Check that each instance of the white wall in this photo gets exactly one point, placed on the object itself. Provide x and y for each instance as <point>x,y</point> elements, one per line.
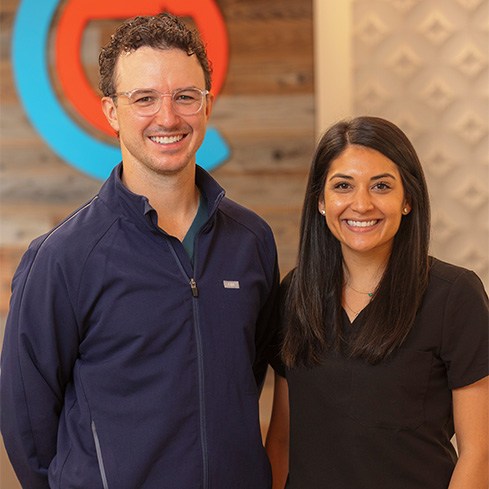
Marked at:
<point>424,65</point>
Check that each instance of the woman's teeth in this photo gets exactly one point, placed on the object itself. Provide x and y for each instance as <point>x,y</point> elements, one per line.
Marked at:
<point>361,224</point>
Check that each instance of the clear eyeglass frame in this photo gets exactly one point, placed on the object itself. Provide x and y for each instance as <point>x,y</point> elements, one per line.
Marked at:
<point>147,101</point>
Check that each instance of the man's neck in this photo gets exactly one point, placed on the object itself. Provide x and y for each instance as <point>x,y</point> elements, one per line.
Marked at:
<point>174,197</point>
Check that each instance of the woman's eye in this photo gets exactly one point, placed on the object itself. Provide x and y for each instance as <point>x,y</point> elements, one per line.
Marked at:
<point>342,186</point>
<point>382,186</point>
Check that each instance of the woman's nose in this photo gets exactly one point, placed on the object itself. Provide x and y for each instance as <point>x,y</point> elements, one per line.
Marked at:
<point>362,201</point>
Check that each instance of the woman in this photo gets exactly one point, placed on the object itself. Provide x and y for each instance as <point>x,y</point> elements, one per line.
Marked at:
<point>385,349</point>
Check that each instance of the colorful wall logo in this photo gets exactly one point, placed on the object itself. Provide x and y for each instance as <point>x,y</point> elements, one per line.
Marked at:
<point>30,51</point>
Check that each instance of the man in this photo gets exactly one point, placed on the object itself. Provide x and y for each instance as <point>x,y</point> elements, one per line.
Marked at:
<point>136,344</point>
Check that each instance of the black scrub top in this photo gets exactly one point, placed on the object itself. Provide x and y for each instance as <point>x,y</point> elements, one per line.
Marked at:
<point>359,426</point>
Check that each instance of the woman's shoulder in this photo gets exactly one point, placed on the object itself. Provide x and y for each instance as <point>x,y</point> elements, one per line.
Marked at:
<point>285,282</point>
<point>457,301</point>
<point>442,271</point>
<point>455,281</point>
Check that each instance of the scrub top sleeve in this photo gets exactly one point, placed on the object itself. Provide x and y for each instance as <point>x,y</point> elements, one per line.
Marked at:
<point>465,347</point>
<point>276,359</point>
<point>278,367</point>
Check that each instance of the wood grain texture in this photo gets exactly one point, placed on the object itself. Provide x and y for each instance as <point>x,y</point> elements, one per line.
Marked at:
<point>265,112</point>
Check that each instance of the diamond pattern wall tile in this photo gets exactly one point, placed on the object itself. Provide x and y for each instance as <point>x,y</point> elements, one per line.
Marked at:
<point>471,127</point>
<point>438,95</point>
<point>472,193</point>
<point>474,258</point>
<point>404,61</point>
<point>371,30</point>
<point>410,124</point>
<point>443,226</point>
<point>425,66</point>
<point>404,5</point>
<point>438,162</point>
<point>470,60</point>
<point>436,28</point>
<point>372,96</point>
<point>470,4</point>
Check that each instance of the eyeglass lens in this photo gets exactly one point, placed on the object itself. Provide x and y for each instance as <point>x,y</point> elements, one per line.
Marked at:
<point>187,101</point>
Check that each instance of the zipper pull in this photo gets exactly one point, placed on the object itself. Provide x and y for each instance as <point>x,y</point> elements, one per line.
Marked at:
<point>193,286</point>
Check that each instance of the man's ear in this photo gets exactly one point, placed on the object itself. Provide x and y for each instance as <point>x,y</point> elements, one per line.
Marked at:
<point>110,111</point>
<point>208,105</point>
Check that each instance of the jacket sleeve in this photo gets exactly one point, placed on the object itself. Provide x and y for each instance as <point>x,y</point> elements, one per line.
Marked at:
<point>267,324</point>
<point>39,350</point>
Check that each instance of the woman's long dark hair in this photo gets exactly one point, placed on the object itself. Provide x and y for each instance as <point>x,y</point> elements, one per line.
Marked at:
<point>312,310</point>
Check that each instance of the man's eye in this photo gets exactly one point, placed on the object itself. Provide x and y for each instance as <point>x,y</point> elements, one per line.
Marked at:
<point>143,99</point>
<point>185,97</point>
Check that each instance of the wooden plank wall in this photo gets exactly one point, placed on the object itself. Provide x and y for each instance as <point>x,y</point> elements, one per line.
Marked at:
<point>265,112</point>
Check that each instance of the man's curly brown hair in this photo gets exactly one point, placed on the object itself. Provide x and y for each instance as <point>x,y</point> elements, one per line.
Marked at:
<point>163,31</point>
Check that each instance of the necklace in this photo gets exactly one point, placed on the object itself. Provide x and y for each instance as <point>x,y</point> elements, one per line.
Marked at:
<point>356,313</point>
<point>370,294</point>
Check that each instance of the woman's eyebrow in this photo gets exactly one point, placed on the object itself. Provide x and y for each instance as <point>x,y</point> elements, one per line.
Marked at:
<point>341,175</point>
<point>349,177</point>
<point>383,175</point>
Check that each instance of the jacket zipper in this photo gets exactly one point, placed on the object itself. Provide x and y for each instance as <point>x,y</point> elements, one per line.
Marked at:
<point>193,286</point>
<point>200,364</point>
<point>99,457</point>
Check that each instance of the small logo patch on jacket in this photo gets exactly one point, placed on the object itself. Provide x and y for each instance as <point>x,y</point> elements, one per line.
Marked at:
<point>231,284</point>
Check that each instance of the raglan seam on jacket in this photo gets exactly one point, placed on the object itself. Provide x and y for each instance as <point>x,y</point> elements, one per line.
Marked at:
<point>83,267</point>
<point>266,239</point>
<point>28,271</point>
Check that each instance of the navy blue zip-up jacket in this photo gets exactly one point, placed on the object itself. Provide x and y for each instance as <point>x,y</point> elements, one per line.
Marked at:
<point>124,366</point>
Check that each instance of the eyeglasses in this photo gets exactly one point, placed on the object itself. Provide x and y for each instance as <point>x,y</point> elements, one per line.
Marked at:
<point>147,102</point>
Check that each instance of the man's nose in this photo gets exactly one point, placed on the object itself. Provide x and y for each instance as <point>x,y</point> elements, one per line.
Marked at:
<point>166,114</point>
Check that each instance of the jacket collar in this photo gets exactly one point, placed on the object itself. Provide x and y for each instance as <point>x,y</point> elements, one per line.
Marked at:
<point>117,195</point>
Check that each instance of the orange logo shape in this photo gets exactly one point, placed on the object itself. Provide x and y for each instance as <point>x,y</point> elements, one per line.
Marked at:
<point>75,16</point>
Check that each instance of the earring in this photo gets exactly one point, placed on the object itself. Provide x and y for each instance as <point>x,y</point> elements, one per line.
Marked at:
<point>405,210</point>
<point>323,212</point>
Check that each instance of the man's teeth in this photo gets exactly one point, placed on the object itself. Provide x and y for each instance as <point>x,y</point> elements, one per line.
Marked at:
<point>166,139</point>
<point>361,224</point>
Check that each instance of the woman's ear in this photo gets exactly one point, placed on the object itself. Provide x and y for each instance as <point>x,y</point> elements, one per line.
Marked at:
<point>321,207</point>
<point>110,111</point>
